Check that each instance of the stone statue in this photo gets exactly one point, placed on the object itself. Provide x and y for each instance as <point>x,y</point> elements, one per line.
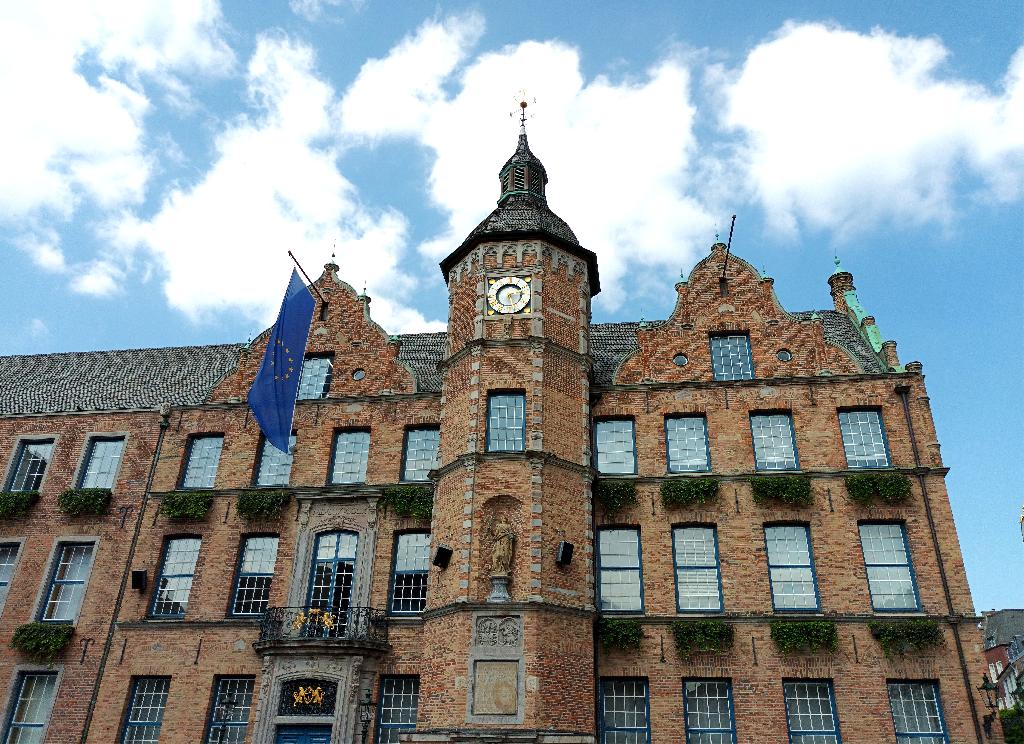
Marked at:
<point>504,543</point>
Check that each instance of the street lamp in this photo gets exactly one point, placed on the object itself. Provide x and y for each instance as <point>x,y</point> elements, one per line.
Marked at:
<point>987,687</point>
<point>366,706</point>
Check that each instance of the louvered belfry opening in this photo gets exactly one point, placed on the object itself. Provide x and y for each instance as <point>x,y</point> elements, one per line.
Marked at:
<point>523,173</point>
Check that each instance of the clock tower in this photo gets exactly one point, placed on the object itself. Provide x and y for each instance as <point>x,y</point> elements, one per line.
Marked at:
<point>508,652</point>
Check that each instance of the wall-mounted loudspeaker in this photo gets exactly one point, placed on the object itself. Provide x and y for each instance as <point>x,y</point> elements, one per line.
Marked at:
<point>563,555</point>
<point>442,556</point>
<point>140,579</point>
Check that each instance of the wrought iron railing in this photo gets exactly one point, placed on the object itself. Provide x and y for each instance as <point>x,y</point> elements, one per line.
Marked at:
<point>353,624</point>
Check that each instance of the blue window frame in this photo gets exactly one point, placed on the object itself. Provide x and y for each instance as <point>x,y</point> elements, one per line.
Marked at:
<point>8,557</point>
<point>686,444</point>
<point>275,466</point>
<point>331,575</point>
<point>774,441</point>
<point>917,713</point>
<point>890,572</point>
<point>620,570</point>
<point>708,711</point>
<point>101,462</point>
<point>145,714</point>
<point>625,711</point>
<point>66,591</point>
<point>315,378</point>
<point>420,448</point>
<point>791,568</point>
<point>730,357</point>
<point>698,572</point>
<point>864,439</point>
<point>506,422</point>
<point>30,464</point>
<point>409,573</point>
<point>30,708</point>
<point>255,574</point>
<point>229,710</point>
<point>202,460</point>
<point>174,584</point>
<point>811,712</point>
<point>615,446</point>
<point>399,703</point>
<point>349,457</point>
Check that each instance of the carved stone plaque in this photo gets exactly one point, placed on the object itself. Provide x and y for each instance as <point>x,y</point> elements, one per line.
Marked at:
<point>496,688</point>
<point>498,631</point>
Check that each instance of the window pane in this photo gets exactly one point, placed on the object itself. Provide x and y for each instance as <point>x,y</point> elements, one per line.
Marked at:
<point>275,467</point>
<point>67,585</point>
<point>175,582</point>
<point>256,571</point>
<point>619,561</point>
<point>730,357</point>
<point>774,447</point>
<point>146,710</point>
<point>789,567</point>
<point>708,711</point>
<point>332,573</point>
<point>229,719</point>
<point>399,700</point>
<point>616,448</point>
<point>101,463</point>
<point>315,380</point>
<point>810,714</point>
<point>409,588</point>
<point>915,710</point>
<point>351,450</point>
<point>31,709</point>
<point>8,555</point>
<point>203,457</point>
<point>863,439</point>
<point>420,453</point>
<point>890,578</point>
<point>624,711</point>
<point>506,419</point>
<point>30,465</point>
<point>686,441</point>
<point>696,559</point>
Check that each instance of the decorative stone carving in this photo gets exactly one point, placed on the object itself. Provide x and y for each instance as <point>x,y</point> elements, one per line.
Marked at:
<point>498,631</point>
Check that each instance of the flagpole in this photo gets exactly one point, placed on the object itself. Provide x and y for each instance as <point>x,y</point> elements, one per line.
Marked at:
<point>315,289</point>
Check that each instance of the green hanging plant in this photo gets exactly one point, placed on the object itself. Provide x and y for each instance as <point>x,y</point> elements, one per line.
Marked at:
<point>42,641</point>
<point>686,492</point>
<point>791,490</point>
<point>187,504</point>
<point>409,501</point>
<point>77,502</point>
<point>261,503</point>
<point>614,495</point>
<point>897,637</point>
<point>691,636</point>
<point>889,488</point>
<point>805,636</point>
<point>16,503</point>
<point>1012,721</point>
<point>620,633</point>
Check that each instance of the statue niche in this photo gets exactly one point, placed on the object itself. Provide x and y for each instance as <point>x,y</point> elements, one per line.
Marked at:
<point>501,532</point>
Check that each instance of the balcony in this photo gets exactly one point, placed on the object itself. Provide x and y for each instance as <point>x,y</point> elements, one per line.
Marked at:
<point>323,630</point>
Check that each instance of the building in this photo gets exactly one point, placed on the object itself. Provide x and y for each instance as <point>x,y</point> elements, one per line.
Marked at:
<point>531,528</point>
<point>1003,631</point>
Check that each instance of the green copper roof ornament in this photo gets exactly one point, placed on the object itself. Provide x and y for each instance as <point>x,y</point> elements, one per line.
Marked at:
<point>839,267</point>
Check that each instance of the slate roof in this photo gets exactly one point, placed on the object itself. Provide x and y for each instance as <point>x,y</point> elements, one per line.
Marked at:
<point>523,213</point>
<point>422,352</point>
<point>840,331</point>
<point>1001,626</point>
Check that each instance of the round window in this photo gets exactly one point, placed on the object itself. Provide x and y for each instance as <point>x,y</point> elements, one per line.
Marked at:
<point>358,374</point>
<point>680,360</point>
<point>784,355</point>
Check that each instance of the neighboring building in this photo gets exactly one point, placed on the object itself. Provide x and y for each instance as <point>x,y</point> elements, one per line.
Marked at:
<point>479,623</point>
<point>1003,632</point>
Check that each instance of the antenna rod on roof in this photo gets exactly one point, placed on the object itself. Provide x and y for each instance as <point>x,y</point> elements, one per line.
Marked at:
<point>729,246</point>
<point>312,286</point>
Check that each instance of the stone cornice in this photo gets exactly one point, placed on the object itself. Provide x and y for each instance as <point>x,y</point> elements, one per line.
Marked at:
<point>585,360</point>
<point>457,607</point>
<point>641,387</point>
<point>474,459</point>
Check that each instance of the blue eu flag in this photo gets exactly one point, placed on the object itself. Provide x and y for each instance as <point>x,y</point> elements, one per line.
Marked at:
<point>273,392</point>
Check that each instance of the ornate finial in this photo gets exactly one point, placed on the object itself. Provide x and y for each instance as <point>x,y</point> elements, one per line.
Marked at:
<point>682,276</point>
<point>839,267</point>
<point>716,234</point>
<point>643,323</point>
<point>523,101</point>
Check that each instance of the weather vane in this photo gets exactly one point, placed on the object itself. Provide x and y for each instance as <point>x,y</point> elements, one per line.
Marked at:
<point>523,100</point>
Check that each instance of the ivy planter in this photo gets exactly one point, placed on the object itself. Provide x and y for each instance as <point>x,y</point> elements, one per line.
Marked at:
<point>82,502</point>
<point>187,505</point>
<point>262,503</point>
<point>1012,721</point>
<point>899,637</point>
<point>684,492</point>
<point>42,642</point>
<point>709,636</point>
<point>15,504</point>
<point>614,495</point>
<point>619,633</point>
<point>805,636</point>
<point>409,501</point>
<point>788,490</point>
<point>867,488</point>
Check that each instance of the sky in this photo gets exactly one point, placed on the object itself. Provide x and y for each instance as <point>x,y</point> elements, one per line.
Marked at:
<point>159,159</point>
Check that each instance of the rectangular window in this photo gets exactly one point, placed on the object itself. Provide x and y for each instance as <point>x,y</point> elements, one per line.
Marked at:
<point>709,712</point>
<point>420,453</point>
<point>145,713</point>
<point>315,380</point>
<point>30,709</point>
<point>229,714</point>
<point>255,572</point>
<point>887,560</point>
<point>275,468</point>
<point>864,439</point>
<point>506,422</point>
<point>811,713</point>
<point>615,445</point>
<point>698,582</point>
<point>409,585</point>
<point>620,571</point>
<point>399,701</point>
<point>67,583</point>
<point>30,465</point>
<point>790,568</point>
<point>203,458</point>
<point>101,462</point>
<point>175,582</point>
<point>625,718</point>
<point>8,556</point>
<point>774,442</point>
<point>917,713</point>
<point>730,357</point>
<point>351,451</point>
<point>686,442</point>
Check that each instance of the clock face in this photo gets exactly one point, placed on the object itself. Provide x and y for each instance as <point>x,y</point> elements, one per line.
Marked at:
<point>508,294</point>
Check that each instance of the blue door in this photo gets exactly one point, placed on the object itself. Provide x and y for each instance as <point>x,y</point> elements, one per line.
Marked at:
<point>303,735</point>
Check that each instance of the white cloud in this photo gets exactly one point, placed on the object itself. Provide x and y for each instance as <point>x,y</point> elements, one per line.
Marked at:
<point>37,328</point>
<point>44,250</point>
<point>843,130</point>
<point>314,10</point>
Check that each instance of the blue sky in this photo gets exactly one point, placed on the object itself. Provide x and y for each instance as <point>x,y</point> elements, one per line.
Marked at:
<point>159,159</point>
